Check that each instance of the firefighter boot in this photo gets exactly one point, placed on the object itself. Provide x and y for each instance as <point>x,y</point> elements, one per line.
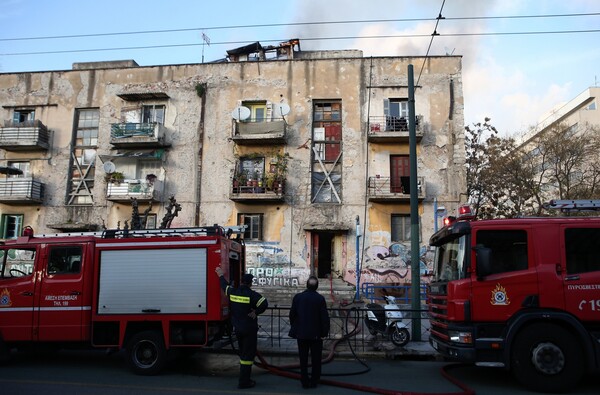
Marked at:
<point>245,381</point>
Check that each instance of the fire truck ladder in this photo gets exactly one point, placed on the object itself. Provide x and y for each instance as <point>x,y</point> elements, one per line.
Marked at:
<point>214,230</point>
<point>573,205</point>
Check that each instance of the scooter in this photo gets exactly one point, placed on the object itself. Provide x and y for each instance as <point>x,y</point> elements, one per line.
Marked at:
<point>387,320</point>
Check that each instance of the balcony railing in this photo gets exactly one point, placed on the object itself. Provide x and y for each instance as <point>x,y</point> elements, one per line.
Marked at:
<point>21,191</point>
<point>132,135</point>
<point>127,189</point>
<point>393,189</point>
<point>254,190</point>
<point>24,136</point>
<point>252,132</point>
<point>392,129</point>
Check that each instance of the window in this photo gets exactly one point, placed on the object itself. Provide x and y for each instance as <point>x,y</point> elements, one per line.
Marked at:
<point>64,260</point>
<point>23,166</point>
<point>83,157</point>
<point>145,167</point>
<point>153,114</point>
<point>327,152</point>
<point>254,223</point>
<point>15,262</point>
<point>12,225</point>
<point>396,114</point>
<point>401,228</point>
<point>258,111</point>
<point>581,249</point>
<point>508,249</point>
<point>252,168</point>
<point>23,116</point>
<point>150,221</point>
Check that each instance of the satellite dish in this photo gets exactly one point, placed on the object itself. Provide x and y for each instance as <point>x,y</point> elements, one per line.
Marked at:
<point>282,109</point>
<point>240,113</point>
<point>109,167</point>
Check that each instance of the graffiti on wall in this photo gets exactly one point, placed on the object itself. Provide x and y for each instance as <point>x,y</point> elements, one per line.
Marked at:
<point>392,264</point>
<point>270,266</point>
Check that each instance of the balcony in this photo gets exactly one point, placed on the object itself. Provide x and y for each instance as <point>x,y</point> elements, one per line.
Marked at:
<point>24,136</point>
<point>381,189</point>
<point>264,133</point>
<point>256,192</point>
<point>385,129</point>
<point>127,189</point>
<point>138,135</point>
<point>18,191</point>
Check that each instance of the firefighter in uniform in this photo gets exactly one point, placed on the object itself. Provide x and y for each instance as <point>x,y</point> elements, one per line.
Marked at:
<point>245,305</point>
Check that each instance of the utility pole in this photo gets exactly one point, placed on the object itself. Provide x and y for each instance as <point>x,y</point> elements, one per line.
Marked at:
<point>415,259</point>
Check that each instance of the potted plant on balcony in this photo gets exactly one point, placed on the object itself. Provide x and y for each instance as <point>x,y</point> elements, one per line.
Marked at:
<point>150,178</point>
<point>115,177</point>
<point>280,167</point>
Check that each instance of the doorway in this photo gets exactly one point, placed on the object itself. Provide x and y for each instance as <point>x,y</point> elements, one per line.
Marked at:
<point>322,254</point>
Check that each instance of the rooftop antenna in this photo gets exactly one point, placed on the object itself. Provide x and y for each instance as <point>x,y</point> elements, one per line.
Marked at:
<point>205,40</point>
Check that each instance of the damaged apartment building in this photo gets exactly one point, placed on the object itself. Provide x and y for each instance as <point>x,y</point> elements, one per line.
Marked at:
<point>302,147</point>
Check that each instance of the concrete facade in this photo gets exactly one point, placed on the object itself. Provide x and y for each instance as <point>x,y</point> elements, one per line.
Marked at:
<point>201,148</point>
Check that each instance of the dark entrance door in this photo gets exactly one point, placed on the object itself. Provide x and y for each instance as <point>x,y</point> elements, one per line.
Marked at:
<point>322,253</point>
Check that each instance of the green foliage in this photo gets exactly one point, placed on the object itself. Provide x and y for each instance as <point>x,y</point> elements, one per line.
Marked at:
<point>505,179</point>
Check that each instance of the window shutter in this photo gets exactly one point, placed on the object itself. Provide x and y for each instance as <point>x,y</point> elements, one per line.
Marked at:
<point>386,107</point>
<point>269,114</point>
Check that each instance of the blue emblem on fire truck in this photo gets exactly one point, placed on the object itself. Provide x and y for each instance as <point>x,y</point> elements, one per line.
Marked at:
<point>499,296</point>
<point>5,298</point>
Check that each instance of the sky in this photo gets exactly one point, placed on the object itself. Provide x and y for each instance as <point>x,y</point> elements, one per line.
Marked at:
<point>514,79</point>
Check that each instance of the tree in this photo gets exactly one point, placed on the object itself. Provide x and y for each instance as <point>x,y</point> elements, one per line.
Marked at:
<point>505,179</point>
<point>477,139</point>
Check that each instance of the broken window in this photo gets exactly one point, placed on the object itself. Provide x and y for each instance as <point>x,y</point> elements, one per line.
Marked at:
<point>83,157</point>
<point>327,152</point>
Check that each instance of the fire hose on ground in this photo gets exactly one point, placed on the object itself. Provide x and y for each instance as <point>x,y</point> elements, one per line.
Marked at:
<point>289,370</point>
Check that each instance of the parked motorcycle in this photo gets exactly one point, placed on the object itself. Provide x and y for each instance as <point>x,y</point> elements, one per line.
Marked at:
<point>387,320</point>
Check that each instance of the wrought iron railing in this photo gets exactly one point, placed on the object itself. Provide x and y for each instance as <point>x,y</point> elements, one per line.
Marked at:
<point>347,327</point>
<point>387,186</point>
<point>378,124</point>
<point>129,129</point>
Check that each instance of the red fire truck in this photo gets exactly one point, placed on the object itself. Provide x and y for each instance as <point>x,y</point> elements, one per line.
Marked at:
<point>147,291</point>
<point>522,294</point>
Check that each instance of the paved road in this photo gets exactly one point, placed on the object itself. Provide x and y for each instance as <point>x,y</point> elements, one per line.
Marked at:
<point>93,372</point>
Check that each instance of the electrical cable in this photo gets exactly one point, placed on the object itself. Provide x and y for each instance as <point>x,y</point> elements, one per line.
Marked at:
<point>298,24</point>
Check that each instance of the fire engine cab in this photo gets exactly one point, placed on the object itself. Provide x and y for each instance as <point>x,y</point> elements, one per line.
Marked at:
<point>147,291</point>
<point>522,294</point>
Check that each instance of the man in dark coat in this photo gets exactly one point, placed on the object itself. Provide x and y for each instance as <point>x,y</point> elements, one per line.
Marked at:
<point>309,319</point>
<point>245,305</point>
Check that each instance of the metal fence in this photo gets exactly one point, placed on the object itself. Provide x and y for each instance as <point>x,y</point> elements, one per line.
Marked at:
<point>347,328</point>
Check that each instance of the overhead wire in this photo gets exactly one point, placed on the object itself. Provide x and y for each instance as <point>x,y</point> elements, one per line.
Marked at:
<point>303,39</point>
<point>330,38</point>
<point>298,24</point>
<point>435,33</point>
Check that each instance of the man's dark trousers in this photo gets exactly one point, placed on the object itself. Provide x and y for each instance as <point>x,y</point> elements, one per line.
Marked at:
<point>315,346</point>
<point>247,351</point>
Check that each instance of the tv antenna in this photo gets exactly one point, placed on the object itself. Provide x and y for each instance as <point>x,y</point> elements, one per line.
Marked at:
<point>205,40</point>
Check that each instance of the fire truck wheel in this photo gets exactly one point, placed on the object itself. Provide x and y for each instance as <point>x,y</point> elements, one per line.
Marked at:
<point>146,353</point>
<point>400,336</point>
<point>547,358</point>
